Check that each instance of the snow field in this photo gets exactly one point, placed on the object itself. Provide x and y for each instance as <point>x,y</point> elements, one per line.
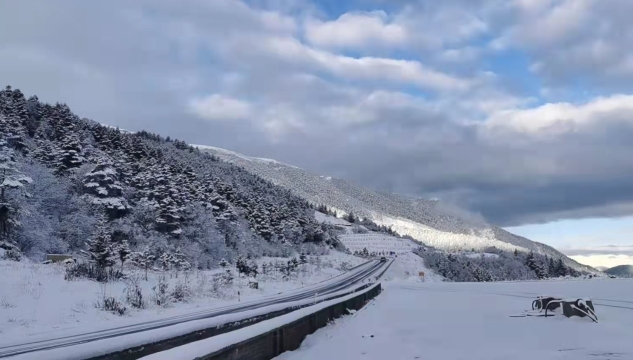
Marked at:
<point>35,299</point>
<point>376,242</point>
<point>471,321</point>
<point>406,267</point>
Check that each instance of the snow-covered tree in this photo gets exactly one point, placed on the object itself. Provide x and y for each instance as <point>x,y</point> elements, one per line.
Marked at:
<point>122,251</point>
<point>252,268</point>
<point>144,259</point>
<point>11,179</point>
<point>223,263</point>
<point>100,248</point>
<point>102,187</point>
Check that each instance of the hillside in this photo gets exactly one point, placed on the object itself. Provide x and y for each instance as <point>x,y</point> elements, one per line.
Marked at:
<point>67,180</point>
<point>429,221</point>
<point>624,271</point>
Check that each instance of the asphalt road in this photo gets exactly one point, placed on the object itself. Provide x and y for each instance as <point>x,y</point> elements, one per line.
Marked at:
<point>344,281</point>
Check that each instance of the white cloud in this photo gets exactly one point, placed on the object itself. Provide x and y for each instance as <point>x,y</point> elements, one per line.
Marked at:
<point>604,260</point>
<point>356,30</point>
<point>556,118</point>
<point>220,107</point>
<point>364,68</point>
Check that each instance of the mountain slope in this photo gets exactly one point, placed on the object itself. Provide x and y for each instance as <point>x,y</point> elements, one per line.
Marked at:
<point>428,221</point>
<point>625,271</point>
<point>63,175</point>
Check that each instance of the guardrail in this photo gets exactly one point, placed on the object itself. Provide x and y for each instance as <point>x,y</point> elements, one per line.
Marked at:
<point>266,340</point>
<point>163,345</point>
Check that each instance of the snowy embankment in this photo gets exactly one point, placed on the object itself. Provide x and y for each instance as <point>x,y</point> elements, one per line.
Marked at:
<point>472,321</point>
<point>205,347</point>
<point>110,345</point>
<point>35,299</point>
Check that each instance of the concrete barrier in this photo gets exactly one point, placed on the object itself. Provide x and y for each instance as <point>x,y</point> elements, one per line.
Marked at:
<point>289,337</point>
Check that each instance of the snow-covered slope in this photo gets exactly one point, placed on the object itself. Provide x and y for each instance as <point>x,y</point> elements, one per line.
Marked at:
<point>429,221</point>
<point>625,271</point>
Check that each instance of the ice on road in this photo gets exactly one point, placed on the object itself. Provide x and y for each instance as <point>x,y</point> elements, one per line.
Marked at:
<point>472,321</point>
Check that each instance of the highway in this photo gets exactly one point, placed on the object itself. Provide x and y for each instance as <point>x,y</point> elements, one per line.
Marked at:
<point>345,281</point>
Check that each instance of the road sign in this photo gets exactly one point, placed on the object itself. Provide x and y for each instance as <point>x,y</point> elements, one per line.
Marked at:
<point>421,275</point>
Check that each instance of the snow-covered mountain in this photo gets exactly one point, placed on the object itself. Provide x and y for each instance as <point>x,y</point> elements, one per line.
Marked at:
<point>625,271</point>
<point>429,221</point>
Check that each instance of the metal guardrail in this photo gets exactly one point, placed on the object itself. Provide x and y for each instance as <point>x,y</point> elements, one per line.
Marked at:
<point>162,345</point>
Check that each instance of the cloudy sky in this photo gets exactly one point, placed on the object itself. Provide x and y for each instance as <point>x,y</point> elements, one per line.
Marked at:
<point>520,110</point>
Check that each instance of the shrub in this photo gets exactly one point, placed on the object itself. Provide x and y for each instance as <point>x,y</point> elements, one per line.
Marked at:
<point>161,296</point>
<point>112,305</point>
<point>86,270</point>
<point>134,293</point>
<point>12,254</point>
<point>181,292</point>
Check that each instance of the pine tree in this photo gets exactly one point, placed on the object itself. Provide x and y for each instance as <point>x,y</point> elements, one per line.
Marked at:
<point>123,251</point>
<point>144,259</point>
<point>551,267</point>
<point>11,179</point>
<point>241,265</point>
<point>303,259</point>
<point>69,156</point>
<point>561,269</point>
<point>100,248</point>
<point>102,187</point>
<point>222,263</point>
<point>252,269</point>
<point>166,261</point>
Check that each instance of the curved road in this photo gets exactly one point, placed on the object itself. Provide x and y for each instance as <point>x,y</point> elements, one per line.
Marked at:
<point>333,285</point>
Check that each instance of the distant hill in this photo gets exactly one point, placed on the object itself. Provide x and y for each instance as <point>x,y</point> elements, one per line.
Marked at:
<point>432,222</point>
<point>625,271</point>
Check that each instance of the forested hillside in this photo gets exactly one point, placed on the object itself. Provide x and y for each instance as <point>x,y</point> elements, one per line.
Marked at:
<point>62,175</point>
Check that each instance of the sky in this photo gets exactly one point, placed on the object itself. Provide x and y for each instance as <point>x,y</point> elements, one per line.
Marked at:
<point>518,110</point>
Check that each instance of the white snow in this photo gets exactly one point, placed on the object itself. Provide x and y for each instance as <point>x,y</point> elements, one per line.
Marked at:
<point>377,242</point>
<point>35,298</point>
<point>437,320</point>
<point>205,347</point>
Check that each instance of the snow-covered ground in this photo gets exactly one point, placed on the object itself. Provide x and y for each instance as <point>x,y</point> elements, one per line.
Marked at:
<point>35,298</point>
<point>377,242</point>
<point>470,321</point>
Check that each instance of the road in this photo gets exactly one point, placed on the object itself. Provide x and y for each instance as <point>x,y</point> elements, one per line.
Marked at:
<point>341,282</point>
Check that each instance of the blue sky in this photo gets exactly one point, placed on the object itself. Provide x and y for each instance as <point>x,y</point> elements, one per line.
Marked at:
<point>520,111</point>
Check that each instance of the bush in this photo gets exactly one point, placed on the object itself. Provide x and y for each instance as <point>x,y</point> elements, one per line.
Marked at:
<point>181,292</point>
<point>112,305</point>
<point>161,296</point>
<point>133,292</point>
<point>91,271</point>
<point>14,255</point>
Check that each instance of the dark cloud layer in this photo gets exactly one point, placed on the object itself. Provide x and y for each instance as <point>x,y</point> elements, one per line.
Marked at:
<point>141,65</point>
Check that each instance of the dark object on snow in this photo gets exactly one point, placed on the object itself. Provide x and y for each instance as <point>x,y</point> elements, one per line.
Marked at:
<point>383,259</point>
<point>58,257</point>
<point>253,284</point>
<point>546,303</point>
<point>579,307</point>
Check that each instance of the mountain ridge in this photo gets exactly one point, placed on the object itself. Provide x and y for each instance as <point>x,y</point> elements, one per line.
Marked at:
<point>430,222</point>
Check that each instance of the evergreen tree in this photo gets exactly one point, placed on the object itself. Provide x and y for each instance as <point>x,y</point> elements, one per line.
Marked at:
<point>303,259</point>
<point>11,179</point>
<point>222,263</point>
<point>144,259</point>
<point>253,269</point>
<point>102,187</point>
<point>241,265</point>
<point>561,269</point>
<point>551,267</point>
<point>100,248</point>
<point>123,251</point>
